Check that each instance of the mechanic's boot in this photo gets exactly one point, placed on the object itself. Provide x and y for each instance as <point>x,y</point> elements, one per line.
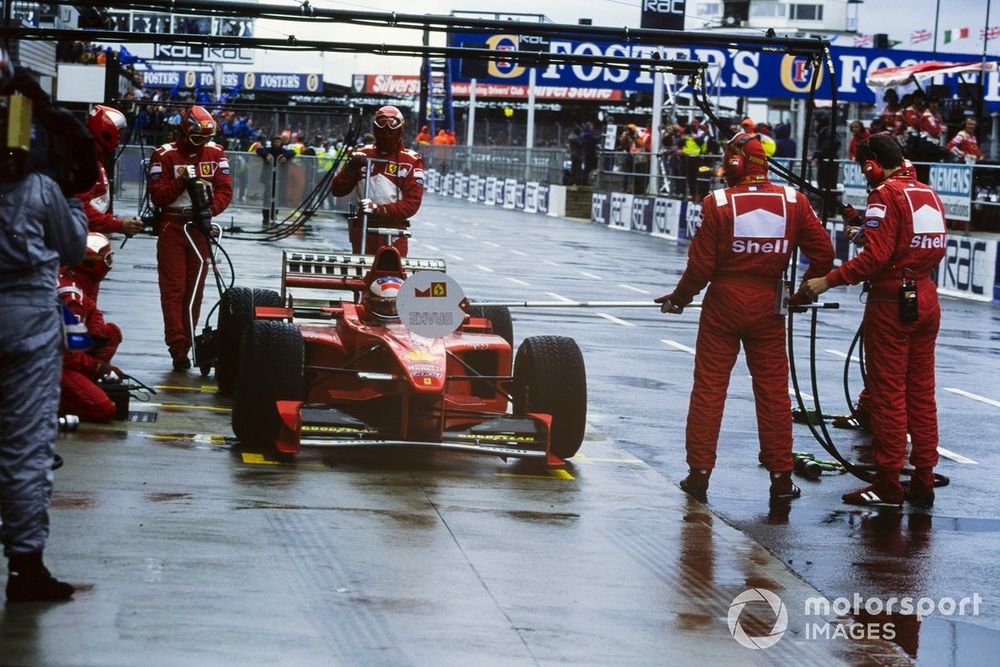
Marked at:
<point>886,491</point>
<point>265,214</point>
<point>783,488</point>
<point>921,489</point>
<point>696,484</point>
<point>28,580</point>
<point>180,359</point>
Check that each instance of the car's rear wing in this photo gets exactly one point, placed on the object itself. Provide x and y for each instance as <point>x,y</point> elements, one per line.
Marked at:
<point>332,271</point>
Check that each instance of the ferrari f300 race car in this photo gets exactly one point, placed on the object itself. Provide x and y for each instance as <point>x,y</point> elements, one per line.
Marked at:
<point>335,373</point>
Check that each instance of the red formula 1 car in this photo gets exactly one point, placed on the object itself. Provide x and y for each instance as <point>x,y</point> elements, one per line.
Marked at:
<point>333,374</point>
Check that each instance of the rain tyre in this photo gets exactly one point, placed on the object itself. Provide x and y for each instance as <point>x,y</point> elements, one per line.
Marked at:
<point>550,378</point>
<point>236,312</point>
<point>272,370</point>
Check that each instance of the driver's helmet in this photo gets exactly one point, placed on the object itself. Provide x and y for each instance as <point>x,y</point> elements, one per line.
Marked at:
<point>382,295</point>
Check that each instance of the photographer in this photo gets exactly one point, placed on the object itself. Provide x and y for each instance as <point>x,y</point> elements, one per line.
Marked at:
<point>40,229</point>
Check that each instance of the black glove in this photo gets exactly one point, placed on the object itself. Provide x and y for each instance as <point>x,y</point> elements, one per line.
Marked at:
<point>850,216</point>
<point>672,303</point>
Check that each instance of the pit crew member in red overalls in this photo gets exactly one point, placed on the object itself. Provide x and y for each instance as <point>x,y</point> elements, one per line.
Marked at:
<point>964,145</point>
<point>192,156</point>
<point>905,240</point>
<point>396,187</point>
<point>78,287</point>
<point>108,126</point>
<point>749,231</point>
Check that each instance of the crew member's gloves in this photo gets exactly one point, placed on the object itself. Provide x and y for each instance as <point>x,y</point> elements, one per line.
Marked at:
<point>109,374</point>
<point>671,303</point>
<point>131,227</point>
<point>368,206</point>
<point>850,216</point>
<point>856,235</point>
<point>800,298</point>
<point>188,173</point>
<point>356,163</point>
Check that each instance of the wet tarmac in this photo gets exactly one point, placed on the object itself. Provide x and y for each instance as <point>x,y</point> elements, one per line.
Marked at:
<point>191,550</point>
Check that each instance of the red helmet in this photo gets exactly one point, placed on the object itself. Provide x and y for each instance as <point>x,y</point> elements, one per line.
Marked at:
<point>744,156</point>
<point>381,297</point>
<point>388,127</point>
<point>108,125</point>
<point>197,126</point>
<point>99,257</point>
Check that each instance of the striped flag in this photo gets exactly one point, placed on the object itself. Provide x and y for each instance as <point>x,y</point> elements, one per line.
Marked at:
<point>921,35</point>
<point>862,40</point>
<point>992,33</point>
<point>955,33</point>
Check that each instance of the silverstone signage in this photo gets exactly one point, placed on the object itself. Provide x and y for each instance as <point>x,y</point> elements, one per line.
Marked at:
<point>407,85</point>
<point>953,183</point>
<point>740,73</point>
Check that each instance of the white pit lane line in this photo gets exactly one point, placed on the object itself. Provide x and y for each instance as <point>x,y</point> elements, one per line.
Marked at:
<point>677,346</point>
<point>518,252</point>
<point>975,397</point>
<point>457,258</point>
<point>484,268</point>
<point>948,454</point>
<point>634,289</point>
<point>842,355</point>
<point>616,320</point>
<point>517,281</point>
<point>469,236</point>
<point>491,244</point>
<point>551,263</point>
<point>559,297</point>
<point>432,248</point>
<point>588,274</point>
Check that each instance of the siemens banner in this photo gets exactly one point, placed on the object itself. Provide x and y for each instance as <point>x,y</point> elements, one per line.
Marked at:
<point>737,72</point>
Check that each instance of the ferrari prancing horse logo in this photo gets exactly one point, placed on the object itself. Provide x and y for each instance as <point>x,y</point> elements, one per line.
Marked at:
<point>393,167</point>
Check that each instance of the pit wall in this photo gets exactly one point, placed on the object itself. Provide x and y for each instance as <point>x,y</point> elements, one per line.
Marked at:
<point>970,269</point>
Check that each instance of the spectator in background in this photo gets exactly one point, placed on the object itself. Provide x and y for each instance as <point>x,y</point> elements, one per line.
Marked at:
<point>764,130</point>
<point>589,140</point>
<point>693,144</point>
<point>626,146</point>
<point>424,137</point>
<point>440,139</point>
<point>827,147</point>
<point>450,135</point>
<point>273,175</point>
<point>784,145</point>
<point>931,123</point>
<point>877,126</point>
<point>891,112</point>
<point>912,113</point>
<point>643,145</point>
<point>575,144</point>
<point>964,145</point>
<point>858,134</point>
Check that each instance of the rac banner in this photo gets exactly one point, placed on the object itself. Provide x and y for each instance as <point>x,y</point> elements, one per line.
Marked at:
<point>737,72</point>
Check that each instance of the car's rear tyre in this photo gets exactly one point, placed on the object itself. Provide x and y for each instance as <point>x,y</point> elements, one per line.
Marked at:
<point>550,377</point>
<point>500,320</point>
<point>236,311</point>
<point>272,370</point>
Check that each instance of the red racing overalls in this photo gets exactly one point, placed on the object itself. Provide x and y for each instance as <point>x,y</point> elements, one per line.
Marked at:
<point>396,188</point>
<point>97,204</point>
<point>80,394</point>
<point>177,262</point>
<point>746,238</point>
<point>904,233</point>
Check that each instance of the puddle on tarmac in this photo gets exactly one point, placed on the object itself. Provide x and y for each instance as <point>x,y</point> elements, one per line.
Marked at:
<point>167,497</point>
<point>74,500</point>
<point>935,639</point>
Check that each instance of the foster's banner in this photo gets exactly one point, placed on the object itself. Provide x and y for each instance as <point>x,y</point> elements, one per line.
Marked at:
<point>739,73</point>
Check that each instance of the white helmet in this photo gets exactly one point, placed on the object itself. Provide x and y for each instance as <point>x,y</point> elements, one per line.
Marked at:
<point>382,295</point>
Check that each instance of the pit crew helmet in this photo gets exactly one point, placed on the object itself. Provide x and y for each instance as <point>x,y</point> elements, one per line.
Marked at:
<point>99,257</point>
<point>197,126</point>
<point>381,297</point>
<point>744,156</point>
<point>387,125</point>
<point>107,125</point>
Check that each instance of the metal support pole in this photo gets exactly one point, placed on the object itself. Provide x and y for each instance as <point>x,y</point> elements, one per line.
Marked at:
<point>530,142</point>
<point>217,80</point>
<point>471,122</point>
<point>654,128</point>
<point>995,137</point>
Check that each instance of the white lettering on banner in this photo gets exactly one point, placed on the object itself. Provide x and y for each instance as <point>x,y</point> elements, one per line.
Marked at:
<point>855,185</point>
<point>663,6</point>
<point>953,184</point>
<point>745,69</point>
<point>530,197</point>
<point>519,195</point>
<point>639,207</point>
<point>621,210</point>
<point>508,193</point>
<point>666,217</point>
<point>693,219</point>
<point>968,268</point>
<point>852,69</point>
<point>597,201</point>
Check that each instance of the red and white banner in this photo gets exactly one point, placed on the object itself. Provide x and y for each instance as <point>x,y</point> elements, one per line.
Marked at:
<point>401,84</point>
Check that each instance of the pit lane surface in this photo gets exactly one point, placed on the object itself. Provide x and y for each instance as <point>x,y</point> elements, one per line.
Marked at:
<point>639,365</point>
<point>190,550</point>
